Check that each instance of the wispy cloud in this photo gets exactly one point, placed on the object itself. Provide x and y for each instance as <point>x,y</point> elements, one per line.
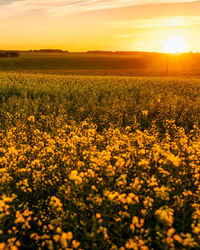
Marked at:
<point>165,22</point>
<point>65,7</point>
<point>91,5</point>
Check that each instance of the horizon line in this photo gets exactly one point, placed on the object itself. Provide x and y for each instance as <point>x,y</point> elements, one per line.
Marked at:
<point>98,51</point>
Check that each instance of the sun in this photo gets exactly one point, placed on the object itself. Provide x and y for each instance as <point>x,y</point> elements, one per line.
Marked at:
<point>175,45</point>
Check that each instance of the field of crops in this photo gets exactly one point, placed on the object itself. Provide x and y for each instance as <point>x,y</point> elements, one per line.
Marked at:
<point>103,64</point>
<point>91,162</point>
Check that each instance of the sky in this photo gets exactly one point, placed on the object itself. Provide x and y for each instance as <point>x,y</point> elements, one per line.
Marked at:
<point>81,25</point>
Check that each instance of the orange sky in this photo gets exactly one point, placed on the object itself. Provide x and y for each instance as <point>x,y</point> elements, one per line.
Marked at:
<point>80,25</point>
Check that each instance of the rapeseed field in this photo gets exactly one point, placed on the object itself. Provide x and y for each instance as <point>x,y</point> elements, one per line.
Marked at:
<point>99,162</point>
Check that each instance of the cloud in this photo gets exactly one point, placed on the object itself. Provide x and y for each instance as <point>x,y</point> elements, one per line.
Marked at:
<point>92,5</point>
<point>6,2</point>
<point>162,22</point>
<point>58,8</point>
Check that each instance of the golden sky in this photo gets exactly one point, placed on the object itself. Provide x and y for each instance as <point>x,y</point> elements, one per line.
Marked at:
<point>80,25</point>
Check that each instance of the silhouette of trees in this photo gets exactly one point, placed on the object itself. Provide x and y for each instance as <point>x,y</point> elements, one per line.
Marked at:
<point>9,53</point>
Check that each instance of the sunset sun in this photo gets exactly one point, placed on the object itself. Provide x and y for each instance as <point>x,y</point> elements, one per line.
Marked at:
<point>175,45</point>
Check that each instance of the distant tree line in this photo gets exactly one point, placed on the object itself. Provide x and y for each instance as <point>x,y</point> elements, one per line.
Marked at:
<point>50,51</point>
<point>125,53</point>
<point>114,52</point>
<point>143,53</point>
<point>9,53</point>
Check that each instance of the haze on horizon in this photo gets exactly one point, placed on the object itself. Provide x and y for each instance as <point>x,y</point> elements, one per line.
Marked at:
<point>80,25</point>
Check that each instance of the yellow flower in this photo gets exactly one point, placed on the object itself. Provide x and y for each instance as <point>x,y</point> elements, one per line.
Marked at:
<point>39,223</point>
<point>13,248</point>
<point>144,248</point>
<point>98,216</point>
<point>196,230</point>
<point>73,176</point>
<point>56,237</point>
<point>145,112</point>
<point>67,236</point>
<point>58,230</point>
<point>2,245</point>
<point>63,240</point>
<point>17,243</point>
<point>130,244</point>
<point>51,227</point>
<point>31,119</point>
<point>75,244</point>
<point>178,238</point>
<point>165,214</point>
<point>170,232</point>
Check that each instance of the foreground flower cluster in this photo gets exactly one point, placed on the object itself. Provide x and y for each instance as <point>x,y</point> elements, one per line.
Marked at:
<point>73,187</point>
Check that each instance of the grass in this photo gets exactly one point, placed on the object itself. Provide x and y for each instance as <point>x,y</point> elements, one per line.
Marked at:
<point>90,162</point>
<point>102,64</point>
<point>68,61</point>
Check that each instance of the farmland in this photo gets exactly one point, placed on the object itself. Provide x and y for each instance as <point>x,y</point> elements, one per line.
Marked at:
<point>119,64</point>
<point>99,162</point>
<point>68,63</point>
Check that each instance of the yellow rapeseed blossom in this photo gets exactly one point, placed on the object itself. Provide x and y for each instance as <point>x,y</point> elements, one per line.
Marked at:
<point>145,112</point>
<point>31,119</point>
<point>98,215</point>
<point>2,245</point>
<point>68,183</point>
<point>165,215</point>
<point>75,177</point>
<point>75,244</point>
<point>178,238</point>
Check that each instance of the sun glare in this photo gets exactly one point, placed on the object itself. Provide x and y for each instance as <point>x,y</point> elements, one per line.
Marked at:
<point>175,45</point>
